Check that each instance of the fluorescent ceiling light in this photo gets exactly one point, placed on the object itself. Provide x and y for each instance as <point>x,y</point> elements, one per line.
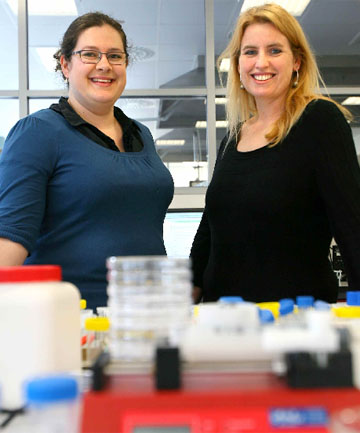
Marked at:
<point>170,142</point>
<point>220,101</point>
<point>225,65</point>
<point>203,124</point>
<point>295,7</point>
<point>351,100</point>
<point>51,7</point>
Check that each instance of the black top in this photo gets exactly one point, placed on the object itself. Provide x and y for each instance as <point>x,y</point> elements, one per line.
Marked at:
<point>271,213</point>
<point>131,137</point>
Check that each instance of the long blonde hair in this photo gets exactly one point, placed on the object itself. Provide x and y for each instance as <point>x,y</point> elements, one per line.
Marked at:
<point>241,105</point>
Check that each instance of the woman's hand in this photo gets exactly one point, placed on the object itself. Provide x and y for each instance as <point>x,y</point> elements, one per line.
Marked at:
<point>196,294</point>
<point>11,253</point>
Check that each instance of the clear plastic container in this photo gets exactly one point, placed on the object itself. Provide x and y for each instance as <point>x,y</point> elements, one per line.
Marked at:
<point>53,405</point>
<point>225,317</point>
<point>149,302</point>
<point>97,336</point>
<point>287,317</point>
<point>102,311</point>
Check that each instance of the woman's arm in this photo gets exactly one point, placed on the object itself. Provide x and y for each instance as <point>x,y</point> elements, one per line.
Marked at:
<point>11,253</point>
<point>26,164</point>
<point>200,250</point>
<point>199,255</point>
<point>338,177</point>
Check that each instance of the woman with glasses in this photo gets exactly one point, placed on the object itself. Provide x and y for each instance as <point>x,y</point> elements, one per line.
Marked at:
<point>287,178</point>
<point>80,181</point>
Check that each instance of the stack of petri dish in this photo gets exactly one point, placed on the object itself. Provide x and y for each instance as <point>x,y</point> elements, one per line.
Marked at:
<point>149,304</point>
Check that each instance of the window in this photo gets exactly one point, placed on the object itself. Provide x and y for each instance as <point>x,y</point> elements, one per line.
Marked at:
<point>167,43</point>
<point>9,45</point>
<point>173,48</point>
<point>180,227</point>
<point>9,109</point>
<point>180,144</point>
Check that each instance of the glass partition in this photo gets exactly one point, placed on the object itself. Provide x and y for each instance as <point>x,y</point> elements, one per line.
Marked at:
<point>9,114</point>
<point>180,228</point>
<point>9,71</point>
<point>44,35</point>
<point>40,103</point>
<point>167,43</point>
<point>179,138</point>
<point>331,29</point>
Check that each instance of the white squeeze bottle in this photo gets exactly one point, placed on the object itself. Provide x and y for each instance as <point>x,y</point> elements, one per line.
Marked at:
<point>39,328</point>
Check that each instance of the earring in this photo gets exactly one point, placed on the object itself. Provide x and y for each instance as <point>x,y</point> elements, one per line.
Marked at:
<point>296,82</point>
<point>241,84</point>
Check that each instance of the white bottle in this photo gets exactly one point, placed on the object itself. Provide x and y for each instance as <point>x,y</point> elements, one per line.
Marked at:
<point>39,328</point>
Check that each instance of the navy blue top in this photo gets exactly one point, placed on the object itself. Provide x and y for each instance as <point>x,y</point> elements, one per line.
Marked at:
<point>71,202</point>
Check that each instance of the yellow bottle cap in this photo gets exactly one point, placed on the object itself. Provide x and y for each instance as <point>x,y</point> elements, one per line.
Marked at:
<point>272,306</point>
<point>195,310</point>
<point>350,312</point>
<point>82,304</point>
<point>97,324</point>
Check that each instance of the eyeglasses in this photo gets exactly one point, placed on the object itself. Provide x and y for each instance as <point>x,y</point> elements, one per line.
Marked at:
<point>94,56</point>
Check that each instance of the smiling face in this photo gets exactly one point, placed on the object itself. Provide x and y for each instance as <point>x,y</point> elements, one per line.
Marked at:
<point>266,63</point>
<point>95,87</point>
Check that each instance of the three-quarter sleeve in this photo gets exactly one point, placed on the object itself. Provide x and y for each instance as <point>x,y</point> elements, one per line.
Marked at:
<point>338,178</point>
<point>26,164</point>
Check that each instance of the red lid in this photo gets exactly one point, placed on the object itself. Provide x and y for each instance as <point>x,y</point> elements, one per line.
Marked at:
<point>10,274</point>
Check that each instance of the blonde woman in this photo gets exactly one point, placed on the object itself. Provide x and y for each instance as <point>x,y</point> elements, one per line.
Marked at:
<point>287,178</point>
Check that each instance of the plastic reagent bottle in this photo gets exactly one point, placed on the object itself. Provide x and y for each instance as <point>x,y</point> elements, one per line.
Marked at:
<point>304,302</point>
<point>231,299</point>
<point>353,298</point>
<point>286,312</point>
<point>97,329</point>
<point>286,306</point>
<point>53,404</point>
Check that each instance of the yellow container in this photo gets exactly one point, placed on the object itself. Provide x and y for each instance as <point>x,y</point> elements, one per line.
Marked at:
<point>272,306</point>
<point>348,312</point>
<point>101,324</point>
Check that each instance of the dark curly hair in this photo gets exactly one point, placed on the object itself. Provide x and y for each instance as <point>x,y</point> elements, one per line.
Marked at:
<point>83,22</point>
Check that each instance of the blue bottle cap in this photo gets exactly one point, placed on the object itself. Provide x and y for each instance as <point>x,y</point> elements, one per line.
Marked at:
<point>353,298</point>
<point>286,306</point>
<point>266,316</point>
<point>321,305</point>
<point>51,389</point>
<point>286,300</point>
<point>231,299</point>
<point>304,301</point>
